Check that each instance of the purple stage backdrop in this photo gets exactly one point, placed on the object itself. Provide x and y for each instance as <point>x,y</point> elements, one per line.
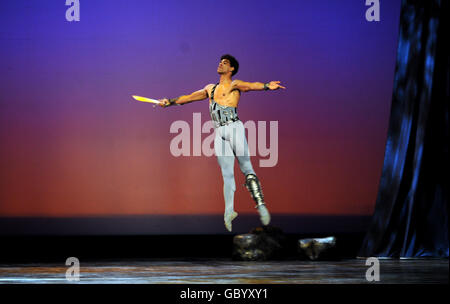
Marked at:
<point>73,143</point>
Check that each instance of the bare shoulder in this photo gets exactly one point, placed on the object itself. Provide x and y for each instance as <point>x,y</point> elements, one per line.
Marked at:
<point>208,88</point>
<point>236,84</point>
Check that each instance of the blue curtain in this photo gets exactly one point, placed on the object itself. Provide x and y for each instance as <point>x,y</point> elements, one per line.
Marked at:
<point>411,211</point>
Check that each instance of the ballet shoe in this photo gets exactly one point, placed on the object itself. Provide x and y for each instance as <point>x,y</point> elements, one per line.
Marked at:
<point>264,214</point>
<point>228,218</point>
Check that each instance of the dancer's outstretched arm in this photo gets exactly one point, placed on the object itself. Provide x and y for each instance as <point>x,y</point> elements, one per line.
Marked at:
<point>244,86</point>
<point>195,96</point>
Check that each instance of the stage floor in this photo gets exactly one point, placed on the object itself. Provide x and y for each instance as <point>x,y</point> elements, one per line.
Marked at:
<point>226,271</point>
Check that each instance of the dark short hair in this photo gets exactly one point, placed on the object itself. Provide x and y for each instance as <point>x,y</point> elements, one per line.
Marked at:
<point>233,62</point>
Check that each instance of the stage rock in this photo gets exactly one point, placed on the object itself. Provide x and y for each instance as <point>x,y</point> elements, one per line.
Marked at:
<point>317,248</point>
<point>260,244</point>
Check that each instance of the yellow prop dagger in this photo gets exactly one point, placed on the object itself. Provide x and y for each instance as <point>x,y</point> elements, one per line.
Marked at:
<point>145,99</point>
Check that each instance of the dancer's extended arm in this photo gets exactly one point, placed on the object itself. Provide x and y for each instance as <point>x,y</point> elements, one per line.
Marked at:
<point>195,96</point>
<point>244,86</point>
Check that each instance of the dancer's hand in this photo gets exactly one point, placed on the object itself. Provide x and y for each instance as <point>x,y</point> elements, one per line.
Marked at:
<point>274,85</point>
<point>164,102</point>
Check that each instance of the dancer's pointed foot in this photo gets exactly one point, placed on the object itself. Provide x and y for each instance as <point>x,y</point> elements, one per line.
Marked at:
<point>228,218</point>
<point>264,214</point>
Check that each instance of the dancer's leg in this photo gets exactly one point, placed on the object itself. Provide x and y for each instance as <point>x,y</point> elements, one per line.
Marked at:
<point>240,147</point>
<point>225,157</point>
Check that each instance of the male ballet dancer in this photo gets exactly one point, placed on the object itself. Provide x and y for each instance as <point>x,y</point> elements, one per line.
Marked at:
<point>230,141</point>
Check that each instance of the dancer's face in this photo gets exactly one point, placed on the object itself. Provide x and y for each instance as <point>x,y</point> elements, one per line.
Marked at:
<point>224,67</point>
